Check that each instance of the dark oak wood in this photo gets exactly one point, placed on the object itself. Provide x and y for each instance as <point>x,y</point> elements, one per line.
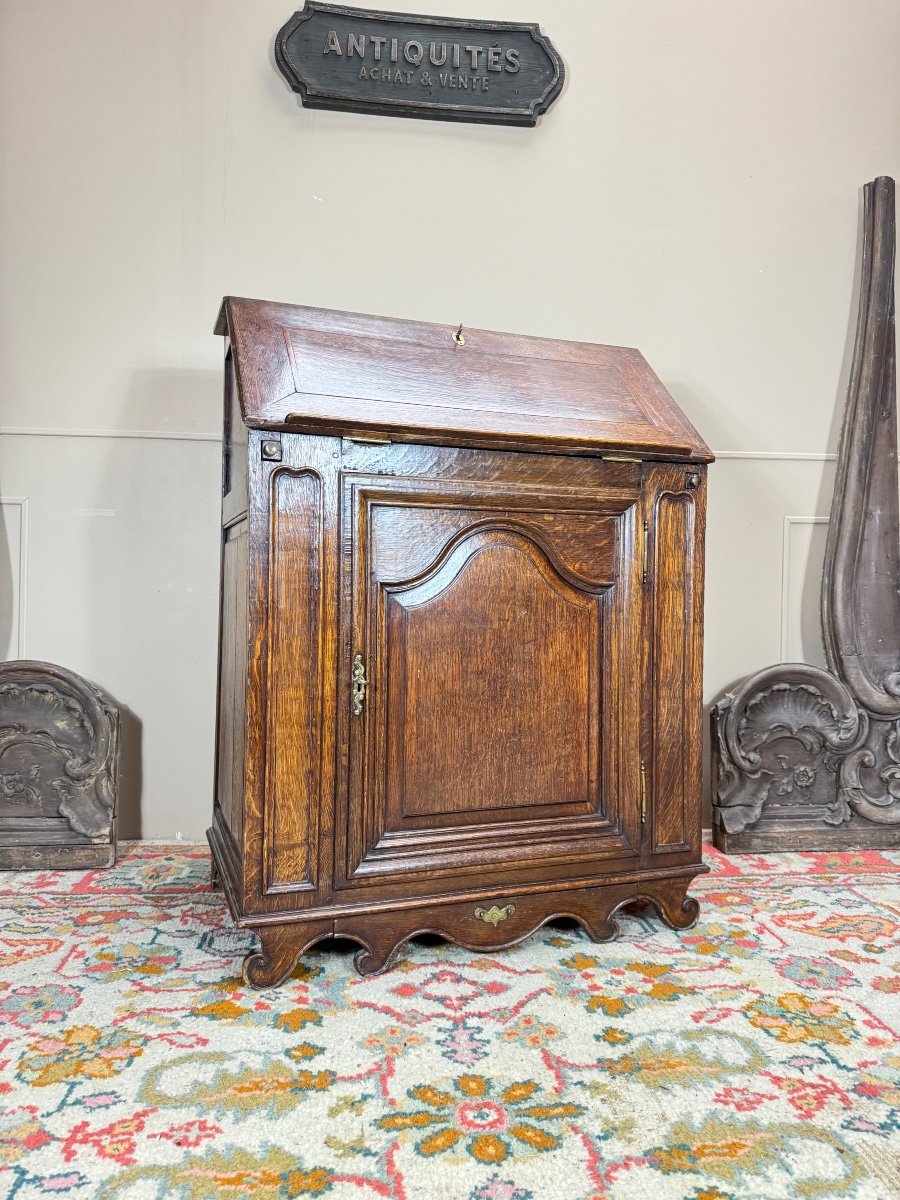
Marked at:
<point>59,739</point>
<point>464,923</point>
<point>382,935</point>
<point>454,679</point>
<point>807,759</point>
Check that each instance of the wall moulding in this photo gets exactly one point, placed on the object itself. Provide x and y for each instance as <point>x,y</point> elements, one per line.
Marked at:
<point>15,606</point>
<point>776,455</point>
<point>790,523</point>
<point>149,434</point>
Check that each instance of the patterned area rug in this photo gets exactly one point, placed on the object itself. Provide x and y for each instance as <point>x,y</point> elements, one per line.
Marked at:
<point>755,1056</point>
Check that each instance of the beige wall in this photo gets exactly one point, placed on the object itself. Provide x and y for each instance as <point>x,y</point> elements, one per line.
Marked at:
<point>694,192</point>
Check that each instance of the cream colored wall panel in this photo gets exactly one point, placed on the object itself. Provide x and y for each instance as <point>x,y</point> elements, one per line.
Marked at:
<point>123,588</point>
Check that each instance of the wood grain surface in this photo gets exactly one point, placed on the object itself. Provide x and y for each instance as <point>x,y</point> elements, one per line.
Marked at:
<point>342,373</point>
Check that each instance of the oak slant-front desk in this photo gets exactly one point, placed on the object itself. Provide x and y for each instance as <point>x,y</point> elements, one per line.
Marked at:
<point>460,644</point>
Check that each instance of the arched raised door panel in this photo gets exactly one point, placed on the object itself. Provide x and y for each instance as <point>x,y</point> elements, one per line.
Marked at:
<point>499,637</point>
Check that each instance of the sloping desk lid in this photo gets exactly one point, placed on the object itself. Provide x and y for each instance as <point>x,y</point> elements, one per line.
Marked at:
<point>316,371</point>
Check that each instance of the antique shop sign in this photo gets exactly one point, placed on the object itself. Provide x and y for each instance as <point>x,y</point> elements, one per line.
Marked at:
<point>503,72</point>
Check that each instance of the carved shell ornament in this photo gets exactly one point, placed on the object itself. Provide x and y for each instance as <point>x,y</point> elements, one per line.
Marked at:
<point>788,701</point>
<point>845,720</point>
<point>798,710</point>
<point>796,701</point>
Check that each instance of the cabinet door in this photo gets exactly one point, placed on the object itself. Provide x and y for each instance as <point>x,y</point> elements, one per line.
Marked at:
<point>498,625</point>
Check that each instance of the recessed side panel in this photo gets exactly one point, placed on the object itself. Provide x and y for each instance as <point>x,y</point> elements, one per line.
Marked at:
<point>676,580</point>
<point>295,688</point>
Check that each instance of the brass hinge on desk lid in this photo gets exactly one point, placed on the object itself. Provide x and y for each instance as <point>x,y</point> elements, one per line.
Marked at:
<point>646,569</point>
<point>643,794</point>
<point>365,439</point>
<point>358,685</point>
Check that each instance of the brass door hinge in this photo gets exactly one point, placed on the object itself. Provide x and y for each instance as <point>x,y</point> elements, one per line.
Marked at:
<point>646,568</point>
<point>358,684</point>
<point>643,794</point>
<point>365,439</point>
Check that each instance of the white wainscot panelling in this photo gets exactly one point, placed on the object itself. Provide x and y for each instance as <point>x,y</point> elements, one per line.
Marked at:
<point>803,555</point>
<point>764,564</point>
<point>13,575</point>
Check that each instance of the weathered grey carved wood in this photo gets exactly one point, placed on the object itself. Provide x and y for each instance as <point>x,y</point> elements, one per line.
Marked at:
<point>860,598</point>
<point>58,769</point>
<point>804,758</point>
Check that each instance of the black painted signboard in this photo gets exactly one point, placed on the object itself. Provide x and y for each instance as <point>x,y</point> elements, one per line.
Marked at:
<point>443,68</point>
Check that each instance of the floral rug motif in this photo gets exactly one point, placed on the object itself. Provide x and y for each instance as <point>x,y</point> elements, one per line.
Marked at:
<point>753,1057</point>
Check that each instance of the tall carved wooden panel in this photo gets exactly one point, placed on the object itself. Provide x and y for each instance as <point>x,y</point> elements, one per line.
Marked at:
<point>809,759</point>
<point>459,681</point>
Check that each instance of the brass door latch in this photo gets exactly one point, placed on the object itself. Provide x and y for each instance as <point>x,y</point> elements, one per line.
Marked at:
<point>358,685</point>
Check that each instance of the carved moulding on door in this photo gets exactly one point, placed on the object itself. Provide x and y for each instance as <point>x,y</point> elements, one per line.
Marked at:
<point>806,758</point>
<point>58,769</point>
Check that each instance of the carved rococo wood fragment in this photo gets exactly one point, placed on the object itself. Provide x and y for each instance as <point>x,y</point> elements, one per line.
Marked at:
<point>58,769</point>
<point>809,759</point>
